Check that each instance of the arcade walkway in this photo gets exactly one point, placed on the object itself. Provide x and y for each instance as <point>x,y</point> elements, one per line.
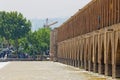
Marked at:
<point>45,71</point>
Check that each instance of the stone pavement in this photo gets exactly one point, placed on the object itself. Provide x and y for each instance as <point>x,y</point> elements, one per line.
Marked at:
<point>45,70</point>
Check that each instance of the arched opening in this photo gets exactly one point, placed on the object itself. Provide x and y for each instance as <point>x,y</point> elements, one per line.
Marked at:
<point>77,55</point>
<point>74,55</point>
<point>118,60</point>
<point>102,60</point>
<point>91,57</point>
<point>110,59</point>
<point>96,58</point>
<point>79,62</point>
<point>70,54</point>
<point>86,60</point>
<point>82,62</point>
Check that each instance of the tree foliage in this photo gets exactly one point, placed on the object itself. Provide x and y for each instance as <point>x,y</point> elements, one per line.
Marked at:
<point>17,29</point>
<point>13,26</point>
<point>39,40</point>
<point>5,28</point>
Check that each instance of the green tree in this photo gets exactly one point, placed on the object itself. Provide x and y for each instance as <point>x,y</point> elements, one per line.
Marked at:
<point>39,40</point>
<point>5,28</point>
<point>14,26</point>
<point>44,38</point>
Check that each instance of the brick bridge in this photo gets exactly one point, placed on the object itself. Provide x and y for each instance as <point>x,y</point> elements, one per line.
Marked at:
<point>90,39</point>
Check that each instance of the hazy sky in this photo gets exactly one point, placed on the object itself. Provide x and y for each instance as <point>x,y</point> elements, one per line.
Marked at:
<point>43,8</point>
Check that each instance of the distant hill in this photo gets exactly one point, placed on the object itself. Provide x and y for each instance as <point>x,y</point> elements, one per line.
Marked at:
<point>38,23</point>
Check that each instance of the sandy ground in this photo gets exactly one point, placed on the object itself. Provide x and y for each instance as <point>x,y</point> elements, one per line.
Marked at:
<point>3,64</point>
<point>45,71</point>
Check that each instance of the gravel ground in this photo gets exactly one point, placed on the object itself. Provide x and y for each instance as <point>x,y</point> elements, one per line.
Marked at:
<point>45,70</point>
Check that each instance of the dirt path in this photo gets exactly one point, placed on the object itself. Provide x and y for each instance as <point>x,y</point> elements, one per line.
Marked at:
<point>44,71</point>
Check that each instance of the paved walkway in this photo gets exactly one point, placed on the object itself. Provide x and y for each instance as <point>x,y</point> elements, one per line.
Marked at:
<point>44,71</point>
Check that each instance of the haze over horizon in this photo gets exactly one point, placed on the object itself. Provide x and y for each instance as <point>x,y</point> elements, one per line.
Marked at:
<point>41,9</point>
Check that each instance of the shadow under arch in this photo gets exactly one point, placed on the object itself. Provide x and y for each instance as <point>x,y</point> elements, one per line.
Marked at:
<point>110,59</point>
<point>102,60</point>
<point>96,58</point>
<point>82,56</point>
<point>87,56</point>
<point>118,60</point>
<point>91,57</point>
<point>79,52</point>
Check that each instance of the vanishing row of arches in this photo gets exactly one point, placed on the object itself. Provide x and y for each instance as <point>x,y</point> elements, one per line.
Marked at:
<point>98,51</point>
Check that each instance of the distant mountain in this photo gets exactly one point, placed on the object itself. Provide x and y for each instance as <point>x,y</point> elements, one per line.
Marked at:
<point>38,23</point>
